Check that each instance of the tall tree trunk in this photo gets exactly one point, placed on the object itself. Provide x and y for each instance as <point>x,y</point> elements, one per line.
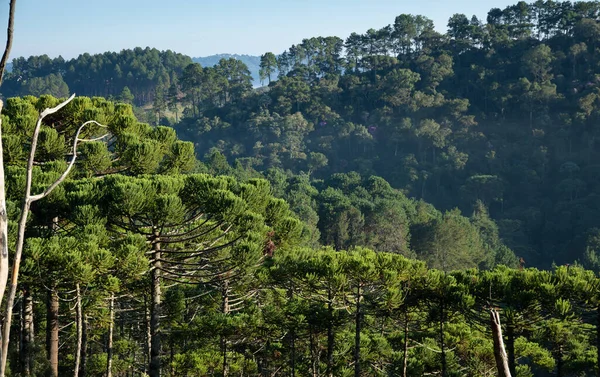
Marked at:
<point>330,335</point>
<point>147,355</point>
<point>292,337</point>
<point>225,309</point>
<point>52,328</point>
<point>22,357</point>
<point>79,321</point>
<point>510,349</point>
<point>84,347</point>
<point>109,346</point>
<point>171,356</point>
<point>499,351</point>
<point>598,341</point>
<point>442,342</point>
<point>27,334</point>
<point>293,352</point>
<point>155,332</point>
<point>313,352</point>
<point>405,346</point>
<point>3,212</point>
<point>357,333</point>
<point>3,227</point>
<point>12,293</point>
<point>559,362</point>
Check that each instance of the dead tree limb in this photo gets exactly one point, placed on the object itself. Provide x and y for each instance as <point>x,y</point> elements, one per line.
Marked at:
<point>499,350</point>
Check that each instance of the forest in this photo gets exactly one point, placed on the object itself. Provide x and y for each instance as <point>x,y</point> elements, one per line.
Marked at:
<point>359,214</point>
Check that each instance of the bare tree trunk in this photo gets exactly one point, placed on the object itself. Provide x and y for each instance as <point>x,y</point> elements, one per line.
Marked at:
<point>357,334</point>
<point>27,334</point>
<point>79,321</point>
<point>155,310</point>
<point>510,349</point>
<point>148,335</point>
<point>293,353</point>
<point>442,340</point>
<point>330,335</point>
<point>3,224</point>
<point>52,331</point>
<point>499,351</point>
<point>405,346</point>
<point>225,309</point>
<point>313,353</point>
<point>598,341</point>
<point>109,347</point>
<point>84,347</point>
<point>3,212</point>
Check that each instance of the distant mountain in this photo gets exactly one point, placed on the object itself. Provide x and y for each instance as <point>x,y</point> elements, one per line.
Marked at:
<point>253,63</point>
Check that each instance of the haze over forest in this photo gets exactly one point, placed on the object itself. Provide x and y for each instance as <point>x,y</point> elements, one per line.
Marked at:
<point>346,207</point>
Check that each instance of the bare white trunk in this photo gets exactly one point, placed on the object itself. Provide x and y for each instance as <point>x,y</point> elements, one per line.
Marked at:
<point>155,309</point>
<point>3,225</point>
<point>499,350</point>
<point>3,214</point>
<point>79,319</point>
<point>109,347</point>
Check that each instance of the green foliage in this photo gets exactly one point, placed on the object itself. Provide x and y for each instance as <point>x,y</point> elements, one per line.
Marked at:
<point>375,153</point>
<point>500,112</point>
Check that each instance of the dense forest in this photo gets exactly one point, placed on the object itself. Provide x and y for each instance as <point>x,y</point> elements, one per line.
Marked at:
<point>361,214</point>
<point>105,75</point>
<point>501,112</point>
<point>251,61</point>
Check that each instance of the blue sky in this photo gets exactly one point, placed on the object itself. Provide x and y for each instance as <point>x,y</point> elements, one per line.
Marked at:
<point>206,27</point>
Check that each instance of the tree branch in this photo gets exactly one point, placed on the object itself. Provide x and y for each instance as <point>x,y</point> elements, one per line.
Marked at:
<point>46,192</point>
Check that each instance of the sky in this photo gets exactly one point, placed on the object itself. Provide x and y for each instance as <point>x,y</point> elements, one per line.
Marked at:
<point>207,27</point>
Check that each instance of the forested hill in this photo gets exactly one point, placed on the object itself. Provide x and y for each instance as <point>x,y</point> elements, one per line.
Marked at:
<point>503,110</point>
<point>139,70</point>
<point>252,62</point>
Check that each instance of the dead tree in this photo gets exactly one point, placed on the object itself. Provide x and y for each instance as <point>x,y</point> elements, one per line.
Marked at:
<point>3,213</point>
<point>499,350</point>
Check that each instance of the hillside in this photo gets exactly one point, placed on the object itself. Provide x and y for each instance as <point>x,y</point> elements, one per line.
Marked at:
<point>501,112</point>
<point>252,62</point>
<point>140,70</point>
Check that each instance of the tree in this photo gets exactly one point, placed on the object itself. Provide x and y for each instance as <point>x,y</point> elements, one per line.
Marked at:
<point>316,161</point>
<point>499,351</point>
<point>159,105</point>
<point>4,265</point>
<point>268,66</point>
<point>360,268</point>
<point>173,99</point>
<point>191,82</point>
<point>450,243</point>
<point>126,96</point>
<point>52,84</point>
<point>189,223</point>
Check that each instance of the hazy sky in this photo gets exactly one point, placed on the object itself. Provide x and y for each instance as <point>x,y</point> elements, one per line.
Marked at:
<point>206,27</point>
